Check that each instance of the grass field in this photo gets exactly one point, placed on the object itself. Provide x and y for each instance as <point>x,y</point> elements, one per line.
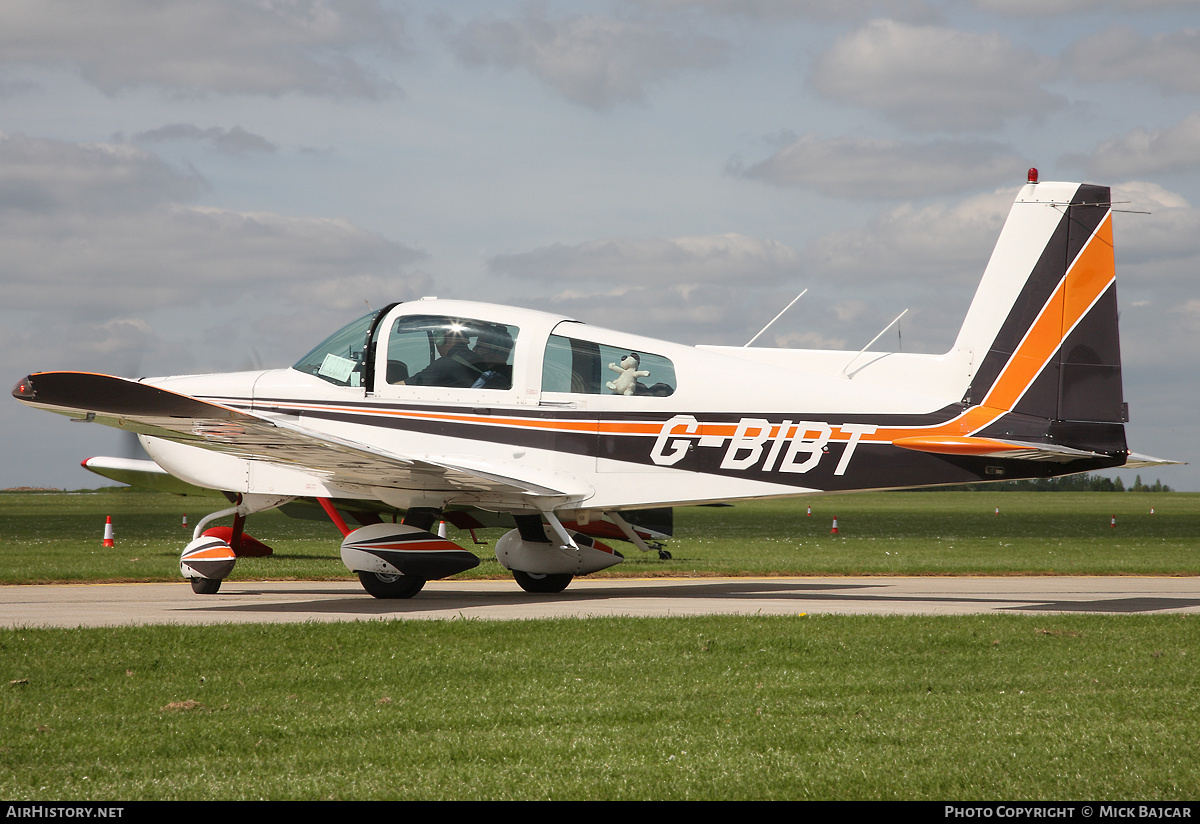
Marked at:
<point>832,707</point>
<point>57,536</point>
<point>1008,707</point>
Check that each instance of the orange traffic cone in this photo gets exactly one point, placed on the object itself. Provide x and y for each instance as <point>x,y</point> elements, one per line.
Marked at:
<point>997,510</point>
<point>108,531</point>
<point>441,529</point>
<point>184,524</point>
<point>810,512</point>
<point>1113,522</point>
<point>834,531</point>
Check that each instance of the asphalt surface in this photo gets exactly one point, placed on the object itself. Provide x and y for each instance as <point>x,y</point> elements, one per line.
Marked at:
<point>95,605</point>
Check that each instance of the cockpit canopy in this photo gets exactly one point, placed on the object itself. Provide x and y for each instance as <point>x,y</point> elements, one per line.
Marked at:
<point>452,351</point>
<point>422,350</point>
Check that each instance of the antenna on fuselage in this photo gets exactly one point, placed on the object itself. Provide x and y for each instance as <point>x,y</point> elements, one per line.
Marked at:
<point>877,337</point>
<point>772,320</point>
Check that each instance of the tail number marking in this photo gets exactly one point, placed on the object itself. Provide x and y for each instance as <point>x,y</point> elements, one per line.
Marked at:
<point>789,446</point>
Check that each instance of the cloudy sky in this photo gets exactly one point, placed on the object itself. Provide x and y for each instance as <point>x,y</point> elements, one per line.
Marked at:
<point>212,185</point>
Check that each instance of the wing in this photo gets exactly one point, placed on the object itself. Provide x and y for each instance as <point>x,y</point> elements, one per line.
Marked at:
<point>149,410</point>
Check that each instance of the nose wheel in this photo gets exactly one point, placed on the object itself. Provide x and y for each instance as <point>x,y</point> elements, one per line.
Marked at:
<point>205,586</point>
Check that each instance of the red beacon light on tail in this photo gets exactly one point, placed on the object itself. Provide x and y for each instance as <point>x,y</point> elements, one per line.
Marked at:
<point>1032,178</point>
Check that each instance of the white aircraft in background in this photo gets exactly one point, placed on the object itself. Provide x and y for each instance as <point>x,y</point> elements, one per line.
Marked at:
<point>479,414</point>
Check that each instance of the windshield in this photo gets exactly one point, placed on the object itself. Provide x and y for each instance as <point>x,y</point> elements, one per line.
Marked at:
<point>339,358</point>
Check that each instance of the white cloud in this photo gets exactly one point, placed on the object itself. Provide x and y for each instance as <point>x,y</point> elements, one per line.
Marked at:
<point>235,141</point>
<point>205,46</point>
<point>1144,151</point>
<point>96,241</point>
<point>863,167</point>
<point>1048,8</point>
<point>1158,241</point>
<point>593,61</point>
<point>685,313</point>
<point>1145,195</point>
<point>728,258</point>
<point>1170,60</point>
<point>788,9</point>
<point>142,259</point>
<point>938,242</point>
<point>708,289</point>
<point>43,176</point>
<point>927,77</point>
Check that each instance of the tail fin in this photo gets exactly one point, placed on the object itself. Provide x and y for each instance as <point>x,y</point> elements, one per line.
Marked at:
<point>1043,325</point>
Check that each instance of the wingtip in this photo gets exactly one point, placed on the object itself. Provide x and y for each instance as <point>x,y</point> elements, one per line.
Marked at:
<point>23,391</point>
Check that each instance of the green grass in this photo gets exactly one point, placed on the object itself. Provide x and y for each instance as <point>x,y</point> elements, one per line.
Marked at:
<point>949,533</point>
<point>819,707</point>
<point>989,707</point>
<point>57,536</point>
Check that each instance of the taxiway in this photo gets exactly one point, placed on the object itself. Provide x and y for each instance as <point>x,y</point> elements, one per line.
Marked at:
<point>95,605</point>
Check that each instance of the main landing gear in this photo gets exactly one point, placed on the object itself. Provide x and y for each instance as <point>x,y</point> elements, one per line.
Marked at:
<point>545,557</point>
<point>388,585</point>
<point>395,560</point>
<point>540,582</point>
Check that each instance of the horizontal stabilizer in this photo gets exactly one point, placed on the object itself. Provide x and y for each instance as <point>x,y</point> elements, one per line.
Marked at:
<point>1136,461</point>
<point>142,474</point>
<point>996,448</point>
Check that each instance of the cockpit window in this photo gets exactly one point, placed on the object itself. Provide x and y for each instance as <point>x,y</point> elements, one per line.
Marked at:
<point>583,367</point>
<point>339,358</point>
<point>433,350</point>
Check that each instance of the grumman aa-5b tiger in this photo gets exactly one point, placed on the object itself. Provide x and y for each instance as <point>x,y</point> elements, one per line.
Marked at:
<point>473,414</point>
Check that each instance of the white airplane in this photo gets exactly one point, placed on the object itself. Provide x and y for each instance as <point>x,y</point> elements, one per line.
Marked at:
<point>475,413</point>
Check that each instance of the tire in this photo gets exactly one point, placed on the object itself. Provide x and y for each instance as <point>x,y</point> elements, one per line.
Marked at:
<point>205,586</point>
<point>390,586</point>
<point>534,582</point>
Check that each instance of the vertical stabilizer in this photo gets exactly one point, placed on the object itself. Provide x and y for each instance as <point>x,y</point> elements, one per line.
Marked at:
<point>1043,325</point>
